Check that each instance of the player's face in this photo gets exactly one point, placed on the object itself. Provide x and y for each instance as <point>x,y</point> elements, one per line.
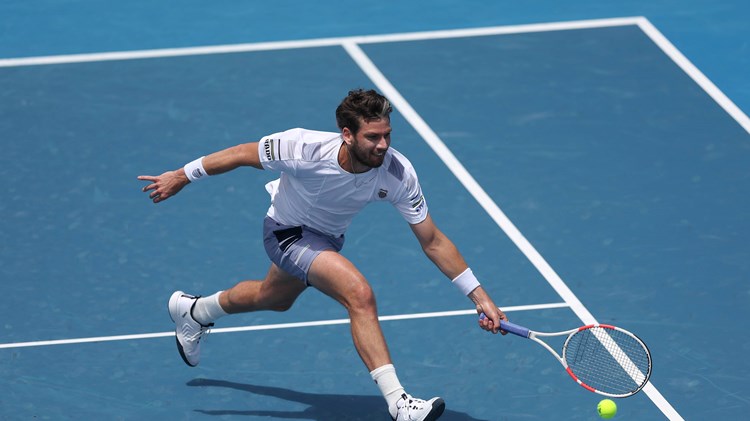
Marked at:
<point>370,143</point>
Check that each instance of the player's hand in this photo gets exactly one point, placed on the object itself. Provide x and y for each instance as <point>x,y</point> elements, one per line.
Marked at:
<point>491,322</point>
<point>493,315</point>
<point>164,186</point>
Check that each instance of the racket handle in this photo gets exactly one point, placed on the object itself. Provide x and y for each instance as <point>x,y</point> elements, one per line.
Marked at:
<point>510,327</point>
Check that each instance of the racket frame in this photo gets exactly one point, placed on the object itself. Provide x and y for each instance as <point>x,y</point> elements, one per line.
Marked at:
<point>535,336</point>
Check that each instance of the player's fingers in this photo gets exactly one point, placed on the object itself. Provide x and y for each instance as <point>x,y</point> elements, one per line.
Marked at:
<point>495,325</point>
<point>502,317</point>
<point>493,319</point>
<point>484,323</point>
<point>149,187</point>
<point>147,178</point>
<point>488,326</point>
<point>483,319</point>
<point>487,323</point>
<point>160,197</point>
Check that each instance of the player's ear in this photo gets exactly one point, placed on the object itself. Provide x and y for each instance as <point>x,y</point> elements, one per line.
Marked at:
<point>347,135</point>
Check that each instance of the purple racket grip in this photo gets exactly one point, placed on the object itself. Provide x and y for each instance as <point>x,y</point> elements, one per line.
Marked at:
<point>510,327</point>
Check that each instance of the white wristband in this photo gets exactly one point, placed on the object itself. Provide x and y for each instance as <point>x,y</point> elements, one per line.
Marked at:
<point>194,170</point>
<point>466,282</point>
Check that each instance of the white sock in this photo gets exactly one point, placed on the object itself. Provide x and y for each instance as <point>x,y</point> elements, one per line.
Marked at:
<point>208,309</point>
<point>386,379</point>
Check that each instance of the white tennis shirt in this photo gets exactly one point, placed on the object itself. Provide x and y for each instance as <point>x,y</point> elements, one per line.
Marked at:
<point>315,191</point>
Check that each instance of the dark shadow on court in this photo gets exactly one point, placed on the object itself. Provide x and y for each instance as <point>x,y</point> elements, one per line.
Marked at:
<point>321,407</point>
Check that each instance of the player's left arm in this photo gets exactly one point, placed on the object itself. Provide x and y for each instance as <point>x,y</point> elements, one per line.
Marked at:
<point>445,255</point>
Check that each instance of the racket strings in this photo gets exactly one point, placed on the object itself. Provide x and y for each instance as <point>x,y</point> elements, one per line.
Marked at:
<point>608,360</point>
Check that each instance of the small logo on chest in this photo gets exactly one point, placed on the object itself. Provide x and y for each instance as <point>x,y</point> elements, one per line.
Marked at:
<point>382,193</point>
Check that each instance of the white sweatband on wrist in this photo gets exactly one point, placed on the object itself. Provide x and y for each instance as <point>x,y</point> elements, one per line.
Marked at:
<point>466,281</point>
<point>194,170</point>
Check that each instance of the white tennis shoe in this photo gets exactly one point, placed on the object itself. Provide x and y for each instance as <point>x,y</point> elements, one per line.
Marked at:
<point>188,331</point>
<point>413,409</point>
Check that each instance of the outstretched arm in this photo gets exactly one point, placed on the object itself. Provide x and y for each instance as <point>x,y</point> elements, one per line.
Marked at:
<point>164,186</point>
<point>441,250</point>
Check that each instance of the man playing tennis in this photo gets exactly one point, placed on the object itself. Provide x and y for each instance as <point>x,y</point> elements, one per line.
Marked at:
<point>326,179</point>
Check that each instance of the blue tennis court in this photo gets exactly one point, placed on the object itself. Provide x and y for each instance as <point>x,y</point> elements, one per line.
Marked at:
<point>586,170</point>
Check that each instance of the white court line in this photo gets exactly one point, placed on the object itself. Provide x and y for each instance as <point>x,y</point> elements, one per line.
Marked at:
<point>692,71</point>
<point>312,43</point>
<point>643,23</point>
<point>437,145</point>
<point>275,326</point>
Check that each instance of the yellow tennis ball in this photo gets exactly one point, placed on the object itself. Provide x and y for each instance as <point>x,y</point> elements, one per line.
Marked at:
<point>607,408</point>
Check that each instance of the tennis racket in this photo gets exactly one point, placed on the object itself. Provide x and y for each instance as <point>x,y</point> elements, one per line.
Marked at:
<point>604,359</point>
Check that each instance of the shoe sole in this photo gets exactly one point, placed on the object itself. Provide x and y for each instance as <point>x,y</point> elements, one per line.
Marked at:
<point>438,406</point>
<point>174,316</point>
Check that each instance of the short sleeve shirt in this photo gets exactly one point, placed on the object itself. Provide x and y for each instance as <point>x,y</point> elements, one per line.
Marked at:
<point>313,190</point>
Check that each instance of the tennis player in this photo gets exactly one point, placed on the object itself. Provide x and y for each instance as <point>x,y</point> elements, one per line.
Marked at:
<point>326,178</point>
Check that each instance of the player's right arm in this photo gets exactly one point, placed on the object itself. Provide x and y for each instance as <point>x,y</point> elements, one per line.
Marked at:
<point>244,155</point>
<point>164,186</point>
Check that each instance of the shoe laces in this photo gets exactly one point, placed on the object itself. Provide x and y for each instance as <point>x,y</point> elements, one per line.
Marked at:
<point>204,331</point>
<point>410,404</point>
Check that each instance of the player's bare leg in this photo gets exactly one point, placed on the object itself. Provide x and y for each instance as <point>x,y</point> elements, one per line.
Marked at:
<point>193,316</point>
<point>277,292</point>
<point>338,278</point>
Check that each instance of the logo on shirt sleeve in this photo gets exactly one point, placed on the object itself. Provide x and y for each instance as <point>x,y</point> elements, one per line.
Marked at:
<point>417,203</point>
<point>270,148</point>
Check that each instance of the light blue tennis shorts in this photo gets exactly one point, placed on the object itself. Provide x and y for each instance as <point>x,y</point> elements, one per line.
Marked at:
<point>293,248</point>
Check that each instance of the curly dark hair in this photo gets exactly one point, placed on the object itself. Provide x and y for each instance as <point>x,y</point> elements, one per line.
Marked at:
<point>361,105</point>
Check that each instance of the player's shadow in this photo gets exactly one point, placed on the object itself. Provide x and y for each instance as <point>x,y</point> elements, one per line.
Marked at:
<point>320,407</point>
